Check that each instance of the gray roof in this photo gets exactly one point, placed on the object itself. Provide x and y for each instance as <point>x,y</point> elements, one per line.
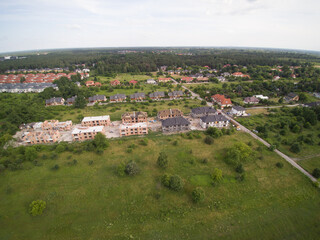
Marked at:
<point>54,99</point>
<point>118,96</point>
<point>175,93</point>
<point>239,108</point>
<point>97,98</point>
<point>137,95</point>
<point>292,95</point>
<point>203,110</point>
<point>156,94</point>
<point>175,121</point>
<point>214,118</point>
<point>22,86</point>
<point>72,99</point>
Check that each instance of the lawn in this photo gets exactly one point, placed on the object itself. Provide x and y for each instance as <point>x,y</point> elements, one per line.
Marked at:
<point>310,163</point>
<point>115,110</point>
<point>92,202</point>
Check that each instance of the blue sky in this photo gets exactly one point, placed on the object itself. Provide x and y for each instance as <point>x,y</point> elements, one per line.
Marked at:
<point>46,24</point>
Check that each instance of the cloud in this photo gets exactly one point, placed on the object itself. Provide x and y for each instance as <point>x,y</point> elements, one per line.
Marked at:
<point>73,26</point>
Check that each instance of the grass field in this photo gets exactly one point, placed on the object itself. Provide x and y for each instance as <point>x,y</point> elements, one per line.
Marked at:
<point>310,163</point>
<point>92,202</point>
<point>117,109</point>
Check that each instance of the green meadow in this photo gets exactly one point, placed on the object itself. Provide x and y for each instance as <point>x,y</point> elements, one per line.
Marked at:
<point>91,201</point>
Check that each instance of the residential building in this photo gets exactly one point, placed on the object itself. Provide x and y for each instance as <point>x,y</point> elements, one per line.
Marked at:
<point>317,95</point>
<point>41,137</point>
<point>133,82</point>
<point>134,117</point>
<point>86,133</point>
<point>261,97</point>
<point>157,95</point>
<point>93,84</point>
<point>56,125</point>
<point>202,79</point>
<point>221,79</point>
<point>214,121</point>
<point>276,78</point>
<point>71,101</point>
<point>96,121</point>
<point>164,80</point>
<point>137,97</point>
<point>175,94</point>
<point>175,124</point>
<point>139,128</point>
<point>291,97</point>
<point>222,100</point>
<point>203,111</point>
<point>97,98</point>
<point>151,81</point>
<point>55,101</point>
<point>251,100</point>
<point>169,113</point>
<point>115,82</point>
<point>238,111</point>
<point>118,98</point>
<point>187,79</point>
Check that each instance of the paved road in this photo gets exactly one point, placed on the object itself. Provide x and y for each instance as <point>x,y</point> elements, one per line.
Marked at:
<point>288,159</point>
<point>294,105</point>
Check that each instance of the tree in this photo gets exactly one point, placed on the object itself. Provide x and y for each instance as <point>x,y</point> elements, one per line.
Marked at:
<point>216,175</point>
<point>37,207</point>
<point>132,168</point>
<point>316,173</point>
<point>100,142</point>
<point>214,132</point>
<point>208,140</point>
<point>203,102</point>
<point>198,195</point>
<point>238,153</point>
<point>279,165</point>
<point>239,168</point>
<point>22,79</point>
<point>176,183</point>
<point>30,154</point>
<point>162,160</point>
<point>80,102</point>
<point>295,148</point>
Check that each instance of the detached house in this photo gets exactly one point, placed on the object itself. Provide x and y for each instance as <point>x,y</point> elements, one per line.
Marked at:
<point>93,84</point>
<point>202,111</point>
<point>151,81</point>
<point>169,113</point>
<point>238,111</point>
<point>214,121</point>
<point>157,95</point>
<point>134,117</point>
<point>291,97</point>
<point>175,94</point>
<point>133,82</point>
<point>118,98</point>
<point>175,124</point>
<point>115,82</point>
<point>55,101</point>
<point>187,79</point>
<point>221,100</point>
<point>97,98</point>
<point>137,97</point>
<point>71,101</point>
<point>251,100</point>
<point>164,80</point>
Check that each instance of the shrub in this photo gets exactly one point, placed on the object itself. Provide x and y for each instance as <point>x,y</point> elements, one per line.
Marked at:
<point>132,168</point>
<point>121,169</point>
<point>279,165</point>
<point>214,132</point>
<point>295,148</point>
<point>176,183</point>
<point>204,160</point>
<point>272,147</point>
<point>239,168</point>
<point>73,162</point>
<point>238,153</point>
<point>198,195</point>
<point>216,175</point>
<point>129,150</point>
<point>162,160</point>
<point>55,167</point>
<point>175,143</point>
<point>316,173</point>
<point>37,207</point>
<point>144,142</point>
<point>208,140</point>
<point>240,177</point>
<point>90,162</point>
<point>165,180</point>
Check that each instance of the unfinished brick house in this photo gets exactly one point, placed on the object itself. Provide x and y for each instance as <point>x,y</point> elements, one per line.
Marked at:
<point>176,124</point>
<point>96,121</point>
<point>56,125</point>
<point>140,128</point>
<point>86,133</point>
<point>55,101</point>
<point>41,137</point>
<point>169,113</point>
<point>134,117</point>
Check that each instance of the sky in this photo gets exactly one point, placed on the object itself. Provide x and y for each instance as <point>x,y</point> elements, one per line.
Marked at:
<point>51,24</point>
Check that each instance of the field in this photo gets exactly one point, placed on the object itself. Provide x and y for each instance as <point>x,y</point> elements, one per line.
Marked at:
<point>115,110</point>
<point>93,202</point>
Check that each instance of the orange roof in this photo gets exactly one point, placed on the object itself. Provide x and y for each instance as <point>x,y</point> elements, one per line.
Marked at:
<point>221,99</point>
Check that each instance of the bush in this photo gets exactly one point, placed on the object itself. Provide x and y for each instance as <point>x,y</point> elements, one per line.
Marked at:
<point>216,175</point>
<point>204,160</point>
<point>239,168</point>
<point>165,180</point>
<point>176,183</point>
<point>316,173</point>
<point>240,177</point>
<point>37,207</point>
<point>208,140</point>
<point>121,169</point>
<point>73,162</point>
<point>90,162</point>
<point>144,142</point>
<point>175,143</point>
<point>295,148</point>
<point>279,165</point>
<point>162,160</point>
<point>214,132</point>
<point>55,167</point>
<point>132,168</point>
<point>198,195</point>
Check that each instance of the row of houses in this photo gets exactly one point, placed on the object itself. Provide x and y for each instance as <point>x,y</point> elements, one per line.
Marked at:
<point>25,87</point>
<point>41,70</point>
<point>116,98</point>
<point>37,78</point>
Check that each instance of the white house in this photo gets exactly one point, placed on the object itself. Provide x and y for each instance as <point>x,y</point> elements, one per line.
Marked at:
<point>261,97</point>
<point>238,111</point>
<point>151,81</point>
<point>214,121</point>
